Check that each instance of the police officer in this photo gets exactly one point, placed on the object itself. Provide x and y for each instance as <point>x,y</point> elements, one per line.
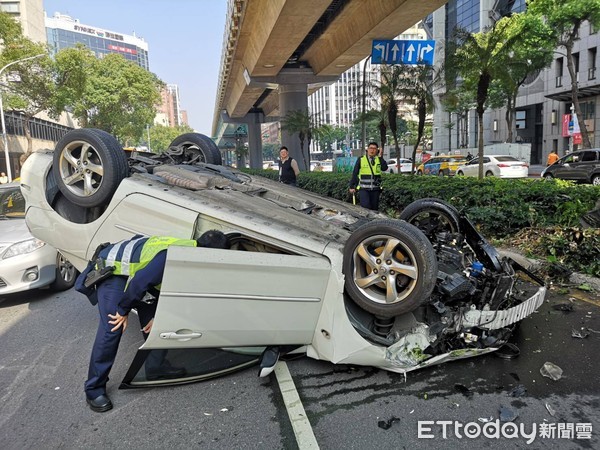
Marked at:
<point>367,177</point>
<point>139,264</point>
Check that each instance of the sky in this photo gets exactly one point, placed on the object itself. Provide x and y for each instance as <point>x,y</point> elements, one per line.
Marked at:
<point>184,39</point>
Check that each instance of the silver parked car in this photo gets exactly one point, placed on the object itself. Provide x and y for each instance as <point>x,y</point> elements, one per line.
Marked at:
<point>353,286</point>
<point>25,261</point>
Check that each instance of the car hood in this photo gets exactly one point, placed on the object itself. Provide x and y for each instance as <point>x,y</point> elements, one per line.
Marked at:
<point>13,230</point>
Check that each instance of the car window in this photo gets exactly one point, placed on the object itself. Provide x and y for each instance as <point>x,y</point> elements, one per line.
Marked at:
<point>473,161</point>
<point>12,203</point>
<point>589,156</point>
<point>568,159</point>
<point>455,159</point>
<point>506,158</point>
<point>486,160</point>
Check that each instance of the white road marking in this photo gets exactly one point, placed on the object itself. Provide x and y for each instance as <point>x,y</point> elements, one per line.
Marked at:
<point>300,423</point>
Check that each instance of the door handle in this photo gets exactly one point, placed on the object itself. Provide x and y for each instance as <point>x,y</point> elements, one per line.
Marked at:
<point>180,336</point>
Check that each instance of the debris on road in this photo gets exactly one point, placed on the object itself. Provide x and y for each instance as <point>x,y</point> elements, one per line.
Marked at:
<point>565,307</point>
<point>551,370</point>
<point>507,414</point>
<point>518,391</point>
<point>386,424</point>
<point>579,334</point>
<point>550,410</point>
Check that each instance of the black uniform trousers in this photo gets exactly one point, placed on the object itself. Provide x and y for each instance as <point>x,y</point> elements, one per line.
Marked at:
<point>369,198</point>
<point>104,351</point>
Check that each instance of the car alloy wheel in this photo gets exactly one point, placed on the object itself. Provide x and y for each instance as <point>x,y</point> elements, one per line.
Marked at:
<point>201,147</point>
<point>390,267</point>
<point>88,166</point>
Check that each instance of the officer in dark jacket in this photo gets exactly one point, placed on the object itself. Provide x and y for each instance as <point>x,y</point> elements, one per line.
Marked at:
<point>288,167</point>
<point>139,264</point>
<point>366,177</point>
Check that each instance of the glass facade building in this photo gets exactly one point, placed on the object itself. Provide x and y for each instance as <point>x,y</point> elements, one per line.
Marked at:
<point>64,32</point>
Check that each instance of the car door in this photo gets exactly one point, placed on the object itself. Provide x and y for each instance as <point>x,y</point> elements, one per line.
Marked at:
<point>471,168</point>
<point>219,309</point>
<point>582,169</point>
<point>566,167</point>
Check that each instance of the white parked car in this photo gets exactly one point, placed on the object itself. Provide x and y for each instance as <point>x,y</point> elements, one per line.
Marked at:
<point>353,286</point>
<point>27,262</point>
<point>503,166</point>
<point>403,165</point>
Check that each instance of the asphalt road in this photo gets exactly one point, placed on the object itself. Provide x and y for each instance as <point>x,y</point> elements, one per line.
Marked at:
<point>46,339</point>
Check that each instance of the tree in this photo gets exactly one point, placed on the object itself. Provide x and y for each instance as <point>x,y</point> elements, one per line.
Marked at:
<point>29,86</point>
<point>299,121</point>
<point>326,135</point>
<point>532,53</point>
<point>119,97</point>
<point>418,84</point>
<point>565,17</point>
<point>478,60</point>
<point>388,90</point>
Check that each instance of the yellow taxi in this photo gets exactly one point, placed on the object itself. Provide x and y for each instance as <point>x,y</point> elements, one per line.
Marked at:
<point>442,165</point>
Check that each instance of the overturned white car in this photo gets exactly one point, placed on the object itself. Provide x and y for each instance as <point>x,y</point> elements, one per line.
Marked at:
<point>304,273</point>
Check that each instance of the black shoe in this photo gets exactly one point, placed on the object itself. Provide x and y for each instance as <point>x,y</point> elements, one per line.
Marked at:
<point>165,373</point>
<point>100,404</point>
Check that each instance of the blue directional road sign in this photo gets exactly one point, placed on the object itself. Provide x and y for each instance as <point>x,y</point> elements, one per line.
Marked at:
<point>402,52</point>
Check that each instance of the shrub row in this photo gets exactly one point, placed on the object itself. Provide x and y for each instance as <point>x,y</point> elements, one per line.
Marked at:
<point>500,208</point>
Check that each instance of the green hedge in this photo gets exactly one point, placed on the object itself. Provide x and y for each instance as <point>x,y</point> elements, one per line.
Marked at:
<point>500,208</point>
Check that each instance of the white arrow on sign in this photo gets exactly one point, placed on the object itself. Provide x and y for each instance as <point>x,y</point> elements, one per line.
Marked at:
<point>425,50</point>
<point>410,50</point>
<point>381,48</point>
<point>395,49</point>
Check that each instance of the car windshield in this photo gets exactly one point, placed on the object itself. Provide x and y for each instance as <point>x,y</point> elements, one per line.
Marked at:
<point>12,203</point>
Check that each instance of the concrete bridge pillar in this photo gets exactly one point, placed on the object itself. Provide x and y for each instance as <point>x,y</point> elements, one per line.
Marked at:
<point>294,97</point>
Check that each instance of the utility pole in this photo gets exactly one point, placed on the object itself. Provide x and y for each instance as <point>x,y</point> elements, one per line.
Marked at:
<point>364,101</point>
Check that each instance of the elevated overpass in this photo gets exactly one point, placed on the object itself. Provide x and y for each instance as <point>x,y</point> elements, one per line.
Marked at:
<point>275,52</point>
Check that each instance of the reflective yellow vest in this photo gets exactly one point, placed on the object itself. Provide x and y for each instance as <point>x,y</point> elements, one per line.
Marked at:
<point>124,255</point>
<point>369,179</point>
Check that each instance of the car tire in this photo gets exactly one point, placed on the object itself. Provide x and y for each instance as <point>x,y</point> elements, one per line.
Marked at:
<point>390,268</point>
<point>460,174</point>
<point>489,174</point>
<point>432,216</point>
<point>66,274</point>
<point>441,173</point>
<point>106,163</point>
<point>595,180</point>
<point>548,176</point>
<point>392,171</point>
<point>198,143</point>
<point>419,172</point>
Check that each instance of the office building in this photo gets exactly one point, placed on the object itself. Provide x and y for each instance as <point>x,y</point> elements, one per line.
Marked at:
<point>30,14</point>
<point>544,99</point>
<point>64,32</point>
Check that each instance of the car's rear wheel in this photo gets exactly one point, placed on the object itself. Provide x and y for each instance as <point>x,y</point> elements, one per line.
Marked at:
<point>432,216</point>
<point>419,172</point>
<point>65,274</point>
<point>441,173</point>
<point>390,267</point>
<point>88,166</point>
<point>596,180</point>
<point>460,173</point>
<point>548,176</point>
<point>199,146</point>
<point>489,173</point>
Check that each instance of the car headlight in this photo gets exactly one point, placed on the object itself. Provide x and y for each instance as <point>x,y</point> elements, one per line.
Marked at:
<point>22,248</point>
